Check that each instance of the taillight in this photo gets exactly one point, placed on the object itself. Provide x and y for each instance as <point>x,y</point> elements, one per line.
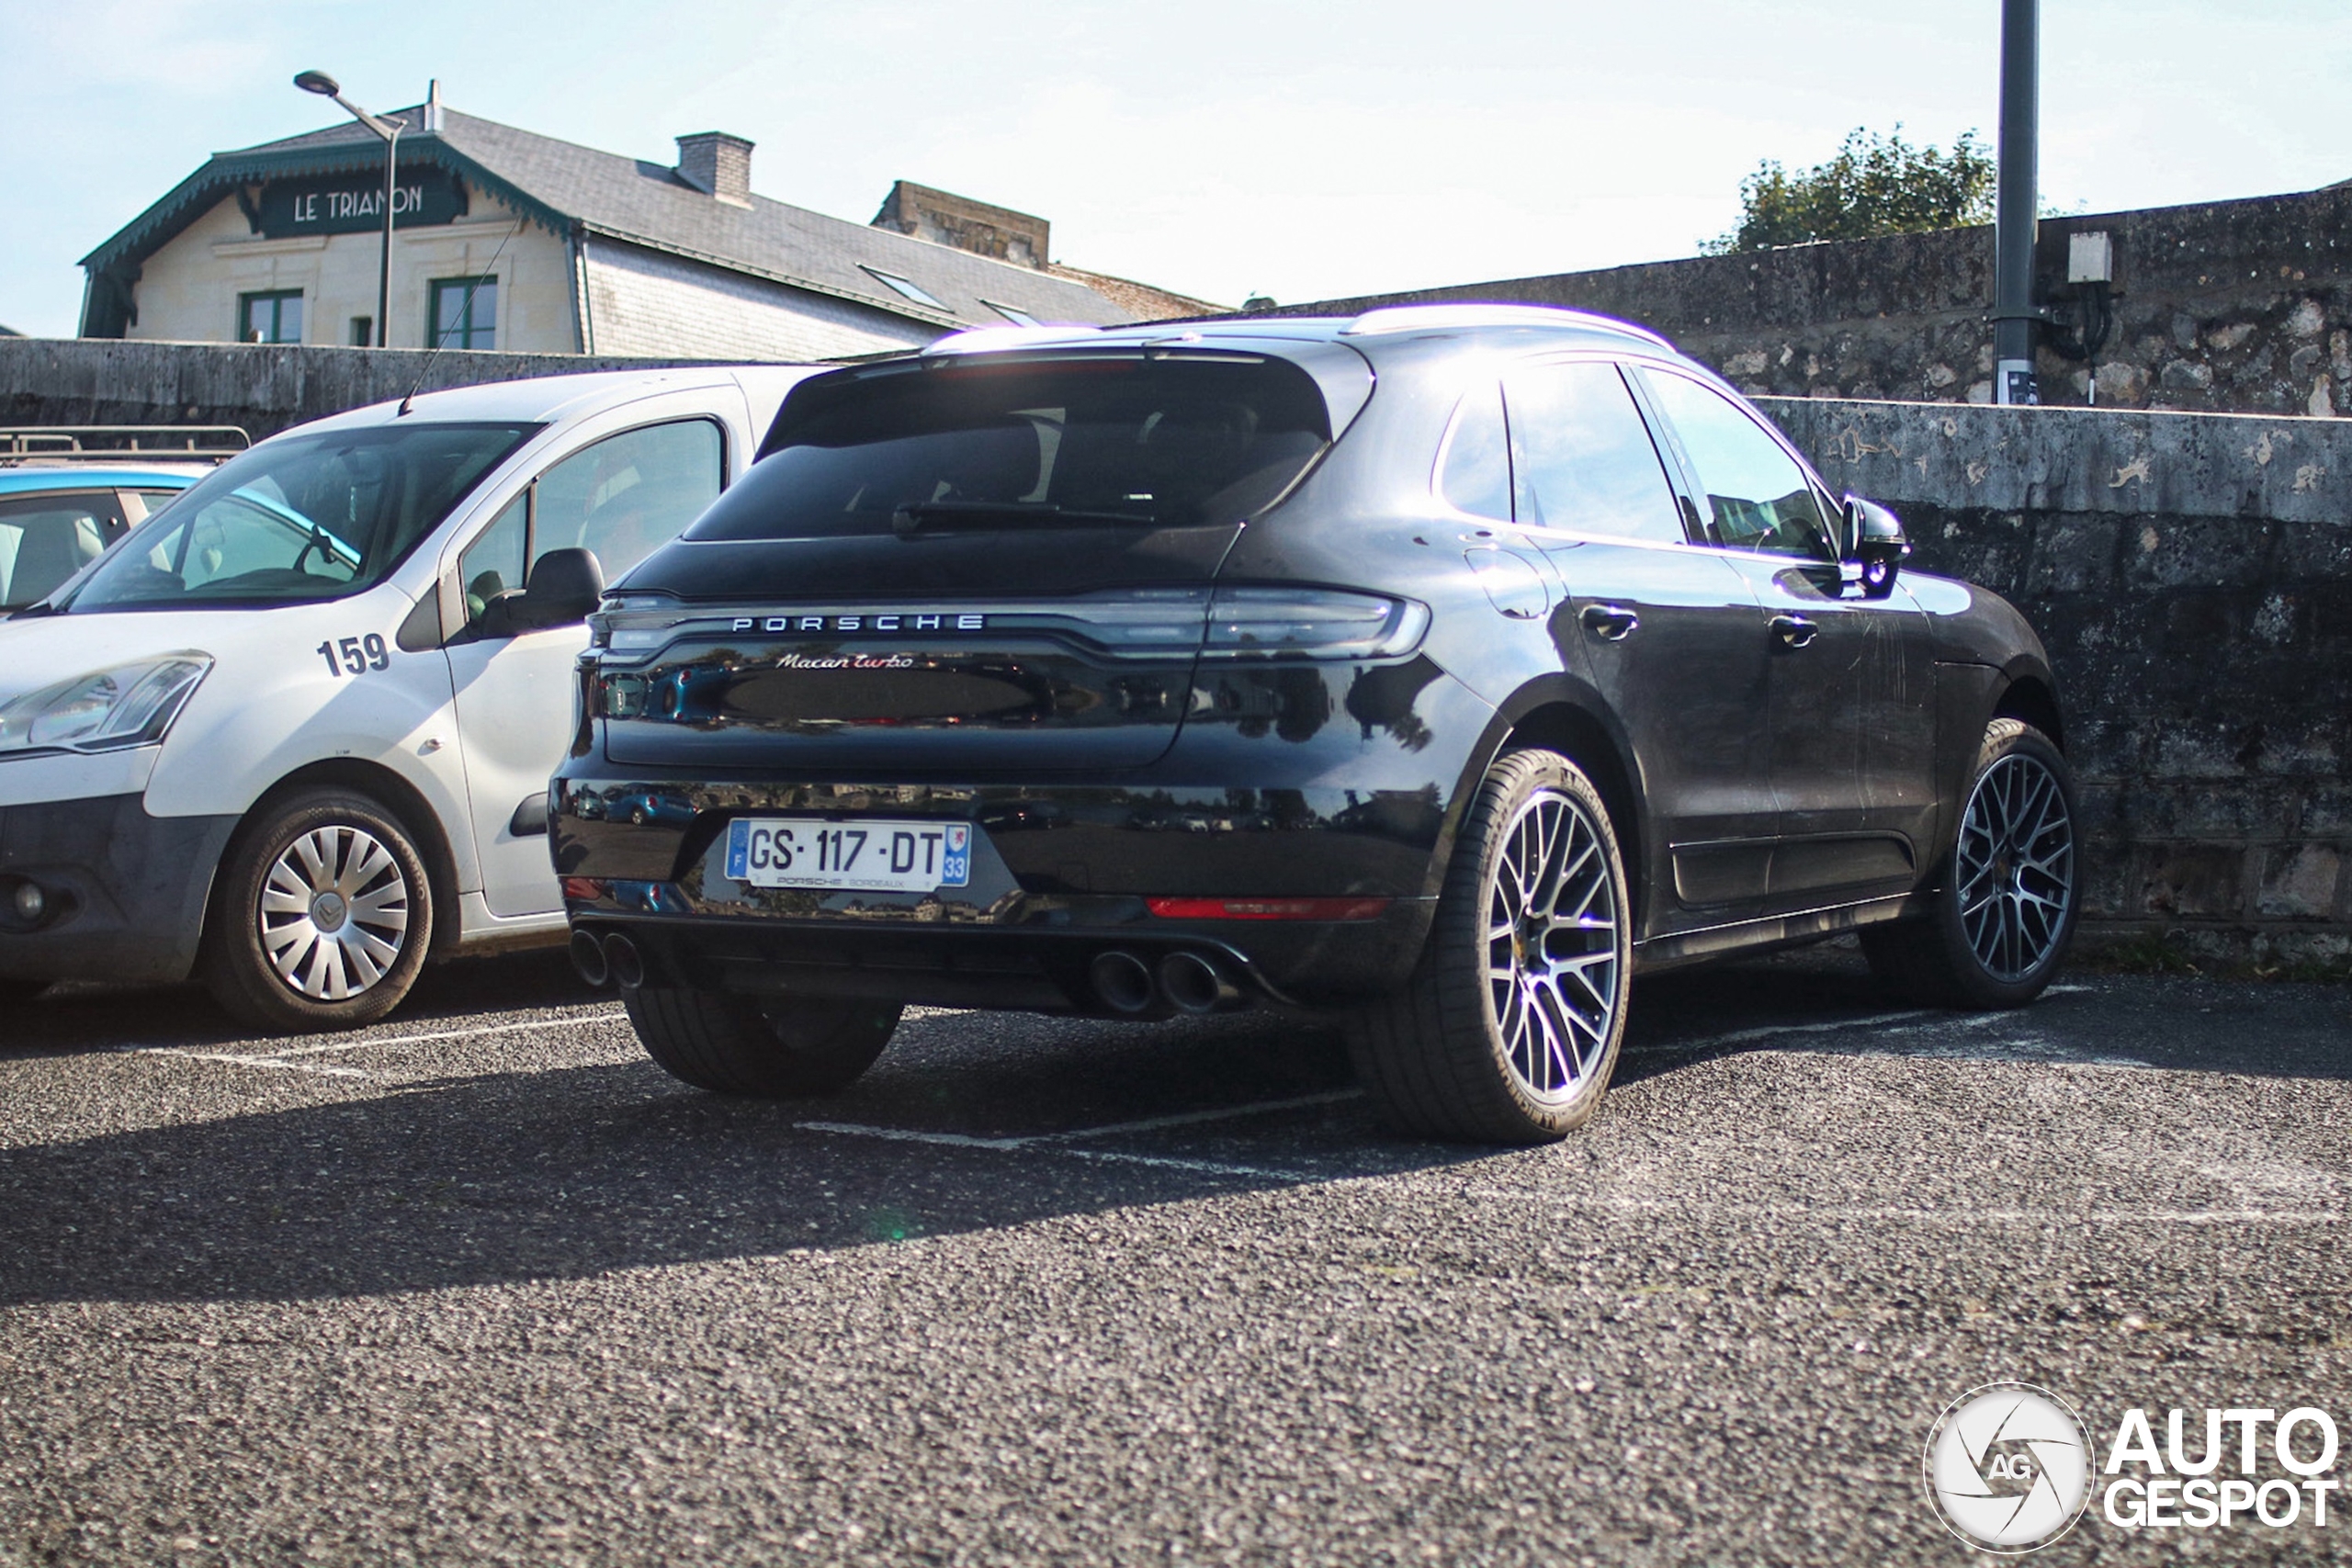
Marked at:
<point>1311,622</point>
<point>1347,908</point>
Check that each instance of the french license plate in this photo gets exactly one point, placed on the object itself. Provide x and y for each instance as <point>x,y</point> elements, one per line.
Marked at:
<point>867,854</point>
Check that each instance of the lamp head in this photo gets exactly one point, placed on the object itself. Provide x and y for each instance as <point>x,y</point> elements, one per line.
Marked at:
<point>318,82</point>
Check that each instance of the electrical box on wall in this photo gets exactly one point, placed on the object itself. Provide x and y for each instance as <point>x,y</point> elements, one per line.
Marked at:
<point>2090,258</point>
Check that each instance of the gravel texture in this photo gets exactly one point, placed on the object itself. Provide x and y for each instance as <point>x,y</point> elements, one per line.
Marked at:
<point>481,1285</point>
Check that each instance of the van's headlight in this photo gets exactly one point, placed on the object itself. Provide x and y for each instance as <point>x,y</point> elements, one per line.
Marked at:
<point>130,705</point>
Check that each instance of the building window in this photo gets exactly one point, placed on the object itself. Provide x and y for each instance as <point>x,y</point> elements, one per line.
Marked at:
<point>465,312</point>
<point>905,285</point>
<point>1017,318</point>
<point>275,317</point>
<point>362,332</point>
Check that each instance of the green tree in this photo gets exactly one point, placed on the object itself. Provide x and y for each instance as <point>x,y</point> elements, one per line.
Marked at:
<point>1876,185</point>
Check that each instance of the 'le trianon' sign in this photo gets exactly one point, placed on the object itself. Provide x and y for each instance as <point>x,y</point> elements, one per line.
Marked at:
<point>351,204</point>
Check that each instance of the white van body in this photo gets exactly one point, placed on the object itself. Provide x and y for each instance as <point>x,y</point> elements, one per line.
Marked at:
<point>109,854</point>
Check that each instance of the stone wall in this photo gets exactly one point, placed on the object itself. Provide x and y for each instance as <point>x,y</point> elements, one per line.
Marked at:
<point>263,388</point>
<point>2193,578</point>
<point>2235,306</point>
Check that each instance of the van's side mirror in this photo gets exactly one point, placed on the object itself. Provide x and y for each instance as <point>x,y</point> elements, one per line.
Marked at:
<point>565,585</point>
<point>1876,543</point>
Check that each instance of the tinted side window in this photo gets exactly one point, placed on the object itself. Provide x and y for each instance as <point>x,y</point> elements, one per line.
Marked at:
<point>1476,475</point>
<point>1757,497</point>
<point>628,494</point>
<point>1581,456</point>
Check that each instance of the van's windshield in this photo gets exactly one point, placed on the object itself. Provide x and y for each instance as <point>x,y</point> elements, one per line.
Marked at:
<point>297,520</point>
<point>1073,441</point>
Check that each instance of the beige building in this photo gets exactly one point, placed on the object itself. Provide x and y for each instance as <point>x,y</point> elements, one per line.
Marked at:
<point>506,239</point>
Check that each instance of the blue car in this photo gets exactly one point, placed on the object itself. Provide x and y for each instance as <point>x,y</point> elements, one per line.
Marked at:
<point>55,521</point>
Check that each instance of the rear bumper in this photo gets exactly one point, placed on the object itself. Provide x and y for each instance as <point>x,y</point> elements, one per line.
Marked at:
<point>1350,796</point>
<point>126,891</point>
<point>1033,965</point>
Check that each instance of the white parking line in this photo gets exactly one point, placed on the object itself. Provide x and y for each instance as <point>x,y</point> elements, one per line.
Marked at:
<point>320,1069</point>
<point>1058,1143</point>
<point>1190,1118</point>
<point>481,1033</point>
<point>1040,1145</point>
<point>280,1058</point>
<point>1913,1214</point>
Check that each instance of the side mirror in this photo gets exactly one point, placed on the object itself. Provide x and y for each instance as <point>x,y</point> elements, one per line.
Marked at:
<point>1876,543</point>
<point>565,585</point>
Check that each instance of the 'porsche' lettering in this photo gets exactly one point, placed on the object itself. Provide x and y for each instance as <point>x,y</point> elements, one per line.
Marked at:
<point>859,623</point>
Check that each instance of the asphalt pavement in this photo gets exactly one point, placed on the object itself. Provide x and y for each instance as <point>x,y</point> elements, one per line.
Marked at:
<point>480,1284</point>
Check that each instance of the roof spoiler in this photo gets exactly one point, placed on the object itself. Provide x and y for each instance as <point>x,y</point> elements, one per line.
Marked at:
<point>120,443</point>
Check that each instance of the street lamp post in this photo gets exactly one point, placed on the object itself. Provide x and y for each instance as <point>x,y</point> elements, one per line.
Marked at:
<point>319,82</point>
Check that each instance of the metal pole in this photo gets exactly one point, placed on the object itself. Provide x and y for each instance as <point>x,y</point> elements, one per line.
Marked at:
<point>384,266</point>
<point>2016,205</point>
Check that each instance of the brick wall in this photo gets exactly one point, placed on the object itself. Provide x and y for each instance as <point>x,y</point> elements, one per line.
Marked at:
<point>2193,578</point>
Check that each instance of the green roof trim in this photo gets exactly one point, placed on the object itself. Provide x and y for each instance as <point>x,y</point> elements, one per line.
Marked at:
<point>117,261</point>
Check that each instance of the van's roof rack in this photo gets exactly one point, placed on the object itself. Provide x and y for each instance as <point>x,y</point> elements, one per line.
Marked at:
<point>121,444</point>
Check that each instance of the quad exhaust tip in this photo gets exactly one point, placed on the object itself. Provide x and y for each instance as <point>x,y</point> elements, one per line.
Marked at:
<point>1195,985</point>
<point>588,957</point>
<point>1122,981</point>
<point>626,963</point>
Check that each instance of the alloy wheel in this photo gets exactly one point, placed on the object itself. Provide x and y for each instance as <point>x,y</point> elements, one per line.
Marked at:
<point>1553,972</point>
<point>333,913</point>
<point>2015,866</point>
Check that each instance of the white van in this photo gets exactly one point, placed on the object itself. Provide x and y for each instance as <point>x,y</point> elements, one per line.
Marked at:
<point>295,732</point>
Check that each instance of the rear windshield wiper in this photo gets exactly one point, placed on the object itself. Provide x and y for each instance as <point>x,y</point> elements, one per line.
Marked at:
<point>931,516</point>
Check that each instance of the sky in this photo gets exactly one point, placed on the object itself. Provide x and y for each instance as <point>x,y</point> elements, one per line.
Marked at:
<point>1220,148</point>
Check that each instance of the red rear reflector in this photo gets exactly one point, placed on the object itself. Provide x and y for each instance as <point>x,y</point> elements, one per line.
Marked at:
<point>1268,909</point>
<point>585,889</point>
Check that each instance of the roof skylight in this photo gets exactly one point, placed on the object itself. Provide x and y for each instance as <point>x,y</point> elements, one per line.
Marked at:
<point>906,285</point>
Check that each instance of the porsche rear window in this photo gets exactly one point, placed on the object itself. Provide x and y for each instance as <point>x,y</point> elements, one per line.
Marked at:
<point>1079,442</point>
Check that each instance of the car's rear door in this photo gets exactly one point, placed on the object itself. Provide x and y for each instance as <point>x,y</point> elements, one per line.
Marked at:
<point>1671,636</point>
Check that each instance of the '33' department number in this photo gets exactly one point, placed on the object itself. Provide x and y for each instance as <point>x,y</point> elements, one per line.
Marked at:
<point>354,655</point>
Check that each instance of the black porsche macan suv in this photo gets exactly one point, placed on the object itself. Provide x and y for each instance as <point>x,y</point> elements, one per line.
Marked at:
<point>1437,670</point>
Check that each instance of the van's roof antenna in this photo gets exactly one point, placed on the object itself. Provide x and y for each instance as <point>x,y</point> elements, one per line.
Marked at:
<point>465,312</point>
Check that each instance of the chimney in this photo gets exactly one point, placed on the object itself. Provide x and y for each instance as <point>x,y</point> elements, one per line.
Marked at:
<point>719,164</point>
<point>433,106</point>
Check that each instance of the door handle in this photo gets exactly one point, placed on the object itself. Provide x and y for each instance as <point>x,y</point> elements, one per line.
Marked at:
<point>1794,631</point>
<point>1609,623</point>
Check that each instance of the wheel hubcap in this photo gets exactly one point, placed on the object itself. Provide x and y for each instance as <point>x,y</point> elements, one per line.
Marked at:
<point>2015,866</point>
<point>333,915</point>
<point>1553,976</point>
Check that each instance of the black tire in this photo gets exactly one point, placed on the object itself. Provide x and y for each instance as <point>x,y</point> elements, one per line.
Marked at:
<point>279,953</point>
<point>766,1048</point>
<point>17,993</point>
<point>1465,1049</point>
<point>1991,940</point>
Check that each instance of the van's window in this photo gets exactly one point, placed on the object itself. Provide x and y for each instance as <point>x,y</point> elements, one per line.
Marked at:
<point>1582,457</point>
<point>299,519</point>
<point>629,494</point>
<point>1758,498</point>
<point>494,563</point>
<point>1070,442</point>
<point>44,539</point>
<point>1476,477</point>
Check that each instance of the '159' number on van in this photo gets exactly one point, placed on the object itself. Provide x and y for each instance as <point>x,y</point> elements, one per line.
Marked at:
<point>354,655</point>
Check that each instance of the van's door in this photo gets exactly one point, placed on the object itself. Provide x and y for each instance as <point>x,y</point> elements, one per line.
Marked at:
<point>620,496</point>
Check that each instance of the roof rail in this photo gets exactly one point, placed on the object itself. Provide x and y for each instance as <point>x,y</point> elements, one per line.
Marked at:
<point>1434,318</point>
<point>120,443</point>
